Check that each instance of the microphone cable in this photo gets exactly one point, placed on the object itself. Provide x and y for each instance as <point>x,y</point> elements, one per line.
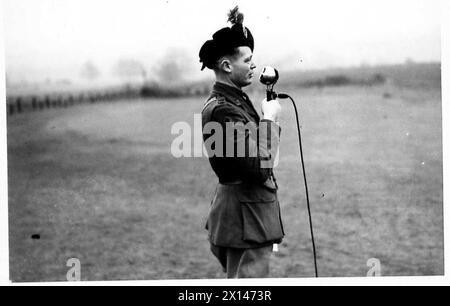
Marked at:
<point>286,96</point>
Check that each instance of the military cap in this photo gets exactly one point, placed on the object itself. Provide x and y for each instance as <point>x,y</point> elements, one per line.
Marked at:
<point>225,40</point>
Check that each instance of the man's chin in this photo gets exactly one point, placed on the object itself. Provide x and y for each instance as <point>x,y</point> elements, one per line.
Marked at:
<point>249,82</point>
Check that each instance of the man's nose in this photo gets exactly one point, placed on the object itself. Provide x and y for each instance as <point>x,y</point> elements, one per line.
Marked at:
<point>253,66</point>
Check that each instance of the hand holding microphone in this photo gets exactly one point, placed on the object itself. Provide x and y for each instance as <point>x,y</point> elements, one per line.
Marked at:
<point>270,107</point>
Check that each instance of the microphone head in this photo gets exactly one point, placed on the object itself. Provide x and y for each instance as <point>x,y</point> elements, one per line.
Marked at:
<point>269,76</point>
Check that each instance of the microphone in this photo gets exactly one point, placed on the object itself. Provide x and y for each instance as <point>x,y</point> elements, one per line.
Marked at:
<point>269,76</point>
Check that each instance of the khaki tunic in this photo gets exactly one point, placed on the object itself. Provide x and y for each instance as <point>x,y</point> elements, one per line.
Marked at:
<point>245,212</point>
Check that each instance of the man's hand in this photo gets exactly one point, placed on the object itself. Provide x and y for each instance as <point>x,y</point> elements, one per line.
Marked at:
<point>271,109</point>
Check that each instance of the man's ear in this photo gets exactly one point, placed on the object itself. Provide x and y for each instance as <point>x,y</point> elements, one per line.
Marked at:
<point>225,65</point>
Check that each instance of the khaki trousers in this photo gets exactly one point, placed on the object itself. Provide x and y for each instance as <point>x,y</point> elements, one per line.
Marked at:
<point>244,263</point>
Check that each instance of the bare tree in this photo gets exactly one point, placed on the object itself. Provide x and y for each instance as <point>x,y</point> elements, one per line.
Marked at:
<point>89,71</point>
<point>130,69</point>
<point>409,61</point>
<point>173,67</point>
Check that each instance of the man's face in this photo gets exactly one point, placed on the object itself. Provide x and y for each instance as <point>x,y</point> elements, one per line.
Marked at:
<point>242,67</point>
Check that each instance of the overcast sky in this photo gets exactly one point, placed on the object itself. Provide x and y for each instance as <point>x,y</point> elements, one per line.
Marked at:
<point>53,38</point>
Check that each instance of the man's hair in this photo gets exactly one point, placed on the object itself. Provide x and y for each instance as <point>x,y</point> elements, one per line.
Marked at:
<point>233,53</point>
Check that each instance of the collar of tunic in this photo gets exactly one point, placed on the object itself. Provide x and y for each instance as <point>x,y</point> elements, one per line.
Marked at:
<point>237,97</point>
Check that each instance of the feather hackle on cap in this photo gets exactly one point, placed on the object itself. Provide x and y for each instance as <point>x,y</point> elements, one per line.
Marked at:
<point>237,18</point>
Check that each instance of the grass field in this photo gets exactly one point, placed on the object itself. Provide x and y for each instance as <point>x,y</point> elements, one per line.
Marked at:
<point>98,182</point>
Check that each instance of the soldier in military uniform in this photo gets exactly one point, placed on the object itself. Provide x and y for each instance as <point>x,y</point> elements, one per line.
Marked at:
<point>244,219</point>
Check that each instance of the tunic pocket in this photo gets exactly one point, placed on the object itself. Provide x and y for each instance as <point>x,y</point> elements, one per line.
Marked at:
<point>261,218</point>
